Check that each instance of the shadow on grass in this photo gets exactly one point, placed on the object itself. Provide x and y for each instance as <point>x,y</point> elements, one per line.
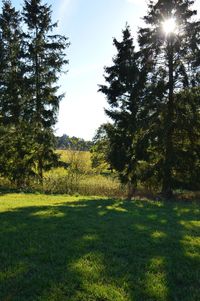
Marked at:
<point>100,250</point>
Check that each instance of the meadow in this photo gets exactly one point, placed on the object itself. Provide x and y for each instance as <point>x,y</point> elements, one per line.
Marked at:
<point>98,249</point>
<point>80,178</point>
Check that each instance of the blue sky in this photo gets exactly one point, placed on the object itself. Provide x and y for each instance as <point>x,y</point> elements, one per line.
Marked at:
<point>90,26</point>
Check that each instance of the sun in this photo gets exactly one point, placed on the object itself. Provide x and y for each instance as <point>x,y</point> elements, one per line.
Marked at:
<point>169,26</point>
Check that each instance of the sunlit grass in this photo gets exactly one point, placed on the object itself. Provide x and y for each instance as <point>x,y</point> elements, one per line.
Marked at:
<point>92,249</point>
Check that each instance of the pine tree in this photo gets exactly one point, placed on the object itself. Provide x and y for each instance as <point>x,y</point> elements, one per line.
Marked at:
<point>173,61</point>
<point>15,160</point>
<point>44,57</point>
<point>11,75</point>
<point>124,89</point>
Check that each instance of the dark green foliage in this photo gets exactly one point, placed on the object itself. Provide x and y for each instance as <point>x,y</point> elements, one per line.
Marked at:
<point>173,66</point>
<point>45,58</point>
<point>16,161</point>
<point>32,57</point>
<point>124,89</point>
<point>153,96</point>
<point>187,139</point>
<point>11,66</point>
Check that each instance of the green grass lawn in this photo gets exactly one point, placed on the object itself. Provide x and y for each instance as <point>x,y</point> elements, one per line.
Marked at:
<point>92,249</point>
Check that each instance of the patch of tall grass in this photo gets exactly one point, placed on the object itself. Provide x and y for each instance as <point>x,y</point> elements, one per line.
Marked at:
<point>62,181</point>
<point>80,178</point>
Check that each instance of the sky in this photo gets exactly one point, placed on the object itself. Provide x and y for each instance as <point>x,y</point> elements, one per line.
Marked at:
<point>90,26</point>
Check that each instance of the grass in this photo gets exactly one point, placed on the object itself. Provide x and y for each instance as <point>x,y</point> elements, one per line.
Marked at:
<point>81,178</point>
<point>98,249</point>
<point>60,181</point>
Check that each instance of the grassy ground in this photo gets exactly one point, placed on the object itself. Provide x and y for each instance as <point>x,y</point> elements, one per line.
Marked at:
<point>90,249</point>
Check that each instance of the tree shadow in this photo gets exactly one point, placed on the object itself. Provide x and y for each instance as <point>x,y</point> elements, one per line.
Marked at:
<point>100,250</point>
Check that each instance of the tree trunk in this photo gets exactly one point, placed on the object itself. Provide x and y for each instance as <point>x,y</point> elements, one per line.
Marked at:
<point>131,190</point>
<point>168,161</point>
<point>40,170</point>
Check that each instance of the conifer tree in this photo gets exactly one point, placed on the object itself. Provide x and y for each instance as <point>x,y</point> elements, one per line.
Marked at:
<point>11,75</point>
<point>44,57</point>
<point>15,143</point>
<point>173,60</point>
<point>124,90</point>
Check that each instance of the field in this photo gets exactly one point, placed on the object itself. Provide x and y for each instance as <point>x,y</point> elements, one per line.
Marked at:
<point>98,249</point>
<point>81,178</point>
<point>78,178</point>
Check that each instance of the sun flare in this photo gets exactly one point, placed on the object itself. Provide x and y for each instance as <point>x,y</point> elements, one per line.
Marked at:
<point>169,26</point>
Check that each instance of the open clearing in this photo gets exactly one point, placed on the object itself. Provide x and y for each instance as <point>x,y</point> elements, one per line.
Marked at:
<point>98,249</point>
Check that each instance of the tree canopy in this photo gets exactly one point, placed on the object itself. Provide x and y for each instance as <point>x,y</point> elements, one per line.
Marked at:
<point>153,97</point>
<point>32,58</point>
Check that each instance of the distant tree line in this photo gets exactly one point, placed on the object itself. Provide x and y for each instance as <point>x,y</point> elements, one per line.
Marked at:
<point>32,56</point>
<point>73,143</point>
<point>153,93</point>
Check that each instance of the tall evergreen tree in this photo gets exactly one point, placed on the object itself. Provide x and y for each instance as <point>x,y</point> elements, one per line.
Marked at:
<point>11,75</point>
<point>124,89</point>
<point>44,57</point>
<point>173,59</point>
<point>15,159</point>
